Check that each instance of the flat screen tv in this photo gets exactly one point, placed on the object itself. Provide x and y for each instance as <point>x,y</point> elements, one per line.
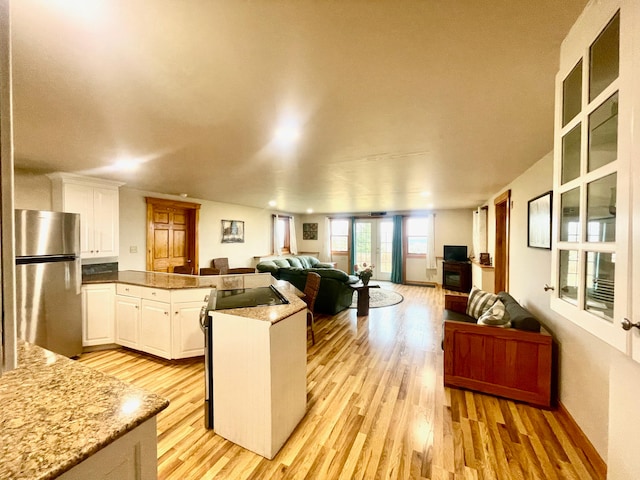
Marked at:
<point>455,253</point>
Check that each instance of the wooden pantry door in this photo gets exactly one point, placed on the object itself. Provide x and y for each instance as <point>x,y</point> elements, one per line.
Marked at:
<point>172,234</point>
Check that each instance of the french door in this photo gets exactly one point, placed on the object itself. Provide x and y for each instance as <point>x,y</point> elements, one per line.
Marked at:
<point>373,240</point>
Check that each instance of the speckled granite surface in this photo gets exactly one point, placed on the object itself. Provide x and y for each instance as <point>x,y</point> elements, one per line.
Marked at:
<point>55,412</point>
<point>272,313</point>
<point>152,279</point>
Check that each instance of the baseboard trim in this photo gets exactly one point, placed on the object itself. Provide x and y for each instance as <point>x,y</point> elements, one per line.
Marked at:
<point>581,439</point>
<point>423,284</point>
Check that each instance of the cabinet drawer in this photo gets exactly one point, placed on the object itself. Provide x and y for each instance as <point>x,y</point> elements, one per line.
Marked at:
<point>191,295</point>
<point>128,290</point>
<point>157,294</point>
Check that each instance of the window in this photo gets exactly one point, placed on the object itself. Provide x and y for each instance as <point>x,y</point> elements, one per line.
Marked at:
<point>591,177</point>
<point>339,235</point>
<point>283,234</point>
<point>417,229</point>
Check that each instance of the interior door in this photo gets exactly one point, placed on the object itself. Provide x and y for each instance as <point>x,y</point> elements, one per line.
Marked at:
<point>373,242</point>
<point>171,235</point>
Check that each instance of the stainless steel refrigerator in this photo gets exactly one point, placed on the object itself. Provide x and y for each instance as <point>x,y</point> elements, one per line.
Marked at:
<point>48,280</point>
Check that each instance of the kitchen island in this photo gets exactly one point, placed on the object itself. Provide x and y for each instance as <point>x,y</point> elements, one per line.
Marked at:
<point>59,418</point>
<point>257,374</point>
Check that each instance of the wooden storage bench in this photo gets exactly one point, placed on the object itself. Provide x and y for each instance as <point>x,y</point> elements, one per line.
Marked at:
<point>506,362</point>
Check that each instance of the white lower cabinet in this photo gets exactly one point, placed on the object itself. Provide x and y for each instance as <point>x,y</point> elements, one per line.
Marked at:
<point>127,321</point>
<point>161,322</point>
<point>155,328</point>
<point>97,314</point>
<point>188,339</point>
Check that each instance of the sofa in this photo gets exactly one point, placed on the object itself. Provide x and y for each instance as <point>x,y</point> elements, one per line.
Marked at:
<point>512,358</point>
<point>335,293</point>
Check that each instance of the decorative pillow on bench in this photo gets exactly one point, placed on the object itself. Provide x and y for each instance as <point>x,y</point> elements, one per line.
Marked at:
<point>496,316</point>
<point>479,302</point>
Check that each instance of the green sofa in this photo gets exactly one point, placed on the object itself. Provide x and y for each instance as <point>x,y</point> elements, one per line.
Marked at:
<point>334,295</point>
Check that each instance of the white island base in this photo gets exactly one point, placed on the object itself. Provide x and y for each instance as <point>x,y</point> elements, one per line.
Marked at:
<point>259,379</point>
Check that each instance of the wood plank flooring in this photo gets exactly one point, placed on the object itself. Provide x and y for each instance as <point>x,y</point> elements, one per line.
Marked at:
<point>377,408</point>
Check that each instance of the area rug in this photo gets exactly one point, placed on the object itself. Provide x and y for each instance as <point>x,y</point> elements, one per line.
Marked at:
<point>379,297</point>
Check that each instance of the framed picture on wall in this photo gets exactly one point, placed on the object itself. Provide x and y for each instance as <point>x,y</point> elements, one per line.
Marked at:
<point>309,231</point>
<point>232,231</point>
<point>539,221</point>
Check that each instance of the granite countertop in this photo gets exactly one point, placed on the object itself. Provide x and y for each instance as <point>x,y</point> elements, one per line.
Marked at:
<point>167,281</point>
<point>55,413</point>
<point>271,313</point>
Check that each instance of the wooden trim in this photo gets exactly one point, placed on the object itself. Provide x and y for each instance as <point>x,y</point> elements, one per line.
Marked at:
<point>582,441</point>
<point>172,203</point>
<point>502,274</point>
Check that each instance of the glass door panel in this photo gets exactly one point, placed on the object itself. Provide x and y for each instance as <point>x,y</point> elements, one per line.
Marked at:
<point>572,94</point>
<point>604,58</point>
<point>373,245</point>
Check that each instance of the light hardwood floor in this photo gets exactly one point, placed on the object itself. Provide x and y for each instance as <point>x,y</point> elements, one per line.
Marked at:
<point>377,408</point>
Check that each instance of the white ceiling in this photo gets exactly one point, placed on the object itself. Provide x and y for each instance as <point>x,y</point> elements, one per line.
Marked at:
<point>395,99</point>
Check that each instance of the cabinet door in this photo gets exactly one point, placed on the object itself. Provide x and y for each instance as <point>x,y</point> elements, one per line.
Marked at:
<point>188,339</point>
<point>97,314</point>
<point>105,223</point>
<point>155,328</point>
<point>127,321</point>
<point>79,199</point>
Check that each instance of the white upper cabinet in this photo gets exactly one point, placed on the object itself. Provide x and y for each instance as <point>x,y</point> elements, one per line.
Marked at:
<point>593,169</point>
<point>97,203</point>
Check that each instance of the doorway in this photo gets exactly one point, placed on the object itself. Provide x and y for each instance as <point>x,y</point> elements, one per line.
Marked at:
<point>172,235</point>
<point>373,244</point>
<point>501,260</point>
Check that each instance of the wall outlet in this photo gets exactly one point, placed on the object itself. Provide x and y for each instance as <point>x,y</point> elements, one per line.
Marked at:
<point>133,249</point>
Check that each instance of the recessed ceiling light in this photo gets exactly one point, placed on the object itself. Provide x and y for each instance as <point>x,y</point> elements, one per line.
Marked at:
<point>126,164</point>
<point>287,133</point>
<point>272,203</point>
<point>309,210</point>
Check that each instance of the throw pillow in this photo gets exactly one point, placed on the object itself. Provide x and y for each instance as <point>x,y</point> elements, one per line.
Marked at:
<point>479,302</point>
<point>496,316</point>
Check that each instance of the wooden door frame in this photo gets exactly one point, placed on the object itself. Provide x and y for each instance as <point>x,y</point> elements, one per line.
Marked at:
<point>501,250</point>
<point>193,214</point>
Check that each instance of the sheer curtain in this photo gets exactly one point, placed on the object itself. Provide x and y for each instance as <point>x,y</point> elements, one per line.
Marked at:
<point>276,236</point>
<point>325,248</point>
<point>293,242</point>
<point>431,242</point>
<point>396,250</point>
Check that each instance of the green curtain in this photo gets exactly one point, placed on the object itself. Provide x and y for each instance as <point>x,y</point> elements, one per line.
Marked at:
<point>396,250</point>
<point>352,247</point>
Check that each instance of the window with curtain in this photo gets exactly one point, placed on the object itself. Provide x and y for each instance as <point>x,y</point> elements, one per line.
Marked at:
<point>417,236</point>
<point>282,234</point>
<point>339,235</point>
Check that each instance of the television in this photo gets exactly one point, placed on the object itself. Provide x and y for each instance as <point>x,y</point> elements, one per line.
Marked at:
<point>455,253</point>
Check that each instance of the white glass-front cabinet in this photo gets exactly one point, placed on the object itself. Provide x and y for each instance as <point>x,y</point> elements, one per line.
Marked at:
<point>593,170</point>
<point>97,202</point>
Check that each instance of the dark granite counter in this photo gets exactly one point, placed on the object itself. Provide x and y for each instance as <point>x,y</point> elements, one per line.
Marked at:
<point>55,413</point>
<point>167,281</point>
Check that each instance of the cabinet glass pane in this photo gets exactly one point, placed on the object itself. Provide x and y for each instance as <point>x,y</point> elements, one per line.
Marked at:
<point>601,209</point>
<point>603,133</point>
<point>600,283</point>
<point>572,94</point>
<point>571,154</point>
<point>568,280</point>
<point>570,216</point>
<point>604,57</point>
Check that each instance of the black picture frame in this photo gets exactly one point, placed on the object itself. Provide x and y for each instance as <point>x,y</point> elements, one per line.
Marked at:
<point>232,231</point>
<point>310,231</point>
<point>539,221</point>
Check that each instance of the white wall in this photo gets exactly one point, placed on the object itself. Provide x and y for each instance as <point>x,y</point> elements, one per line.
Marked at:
<point>32,191</point>
<point>584,360</point>
<point>133,230</point>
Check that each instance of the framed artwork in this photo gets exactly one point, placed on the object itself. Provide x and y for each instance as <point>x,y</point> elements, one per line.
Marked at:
<point>232,231</point>
<point>309,231</point>
<point>539,221</point>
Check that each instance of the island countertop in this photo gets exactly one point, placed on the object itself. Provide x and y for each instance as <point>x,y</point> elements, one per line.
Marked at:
<point>270,313</point>
<point>167,281</point>
<point>55,413</point>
